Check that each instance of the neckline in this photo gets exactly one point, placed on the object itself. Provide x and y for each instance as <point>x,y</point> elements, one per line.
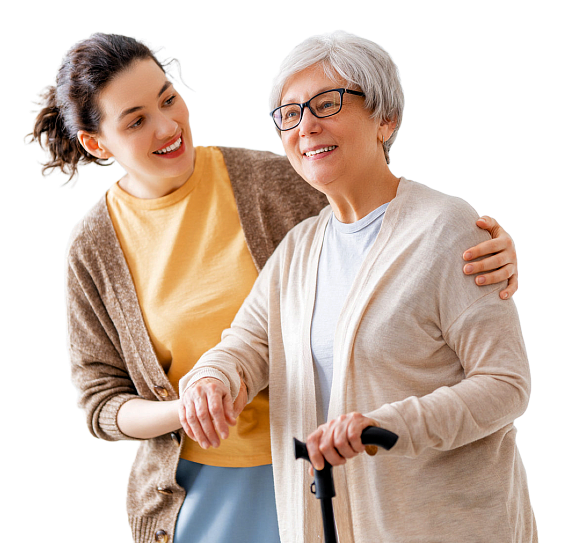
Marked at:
<point>360,224</point>
<point>170,199</point>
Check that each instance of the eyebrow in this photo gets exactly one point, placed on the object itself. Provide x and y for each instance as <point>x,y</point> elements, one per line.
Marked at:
<point>324,89</point>
<point>130,110</point>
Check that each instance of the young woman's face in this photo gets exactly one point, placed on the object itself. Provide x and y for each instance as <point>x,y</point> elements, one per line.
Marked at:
<point>145,125</point>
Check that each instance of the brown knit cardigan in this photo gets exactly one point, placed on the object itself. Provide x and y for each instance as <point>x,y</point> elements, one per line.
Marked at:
<point>112,358</point>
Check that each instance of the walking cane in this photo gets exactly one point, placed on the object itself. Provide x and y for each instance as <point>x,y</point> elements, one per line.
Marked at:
<point>323,485</point>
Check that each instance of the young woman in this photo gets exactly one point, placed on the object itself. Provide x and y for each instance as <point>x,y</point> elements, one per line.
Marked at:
<point>158,269</point>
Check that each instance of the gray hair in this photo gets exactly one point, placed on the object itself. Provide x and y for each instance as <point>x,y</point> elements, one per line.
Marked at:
<point>360,62</point>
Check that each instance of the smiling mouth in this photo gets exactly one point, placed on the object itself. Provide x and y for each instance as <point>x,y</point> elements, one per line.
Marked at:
<point>171,148</point>
<point>318,151</point>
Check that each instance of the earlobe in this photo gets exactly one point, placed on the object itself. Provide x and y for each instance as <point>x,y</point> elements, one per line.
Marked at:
<point>92,145</point>
<point>381,134</point>
<point>386,130</point>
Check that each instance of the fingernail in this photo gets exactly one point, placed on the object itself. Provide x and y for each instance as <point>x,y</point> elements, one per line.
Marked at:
<point>481,280</point>
<point>468,268</point>
<point>467,255</point>
<point>504,295</point>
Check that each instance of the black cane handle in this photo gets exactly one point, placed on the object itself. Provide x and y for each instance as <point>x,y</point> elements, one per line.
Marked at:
<point>372,435</point>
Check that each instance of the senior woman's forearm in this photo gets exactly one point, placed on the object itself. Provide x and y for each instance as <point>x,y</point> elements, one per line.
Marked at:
<point>452,417</point>
<point>494,392</point>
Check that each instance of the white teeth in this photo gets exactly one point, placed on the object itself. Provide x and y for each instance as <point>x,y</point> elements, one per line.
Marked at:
<point>174,147</point>
<point>318,151</point>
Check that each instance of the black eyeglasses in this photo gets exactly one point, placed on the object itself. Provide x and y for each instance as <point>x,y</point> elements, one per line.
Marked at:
<point>324,104</point>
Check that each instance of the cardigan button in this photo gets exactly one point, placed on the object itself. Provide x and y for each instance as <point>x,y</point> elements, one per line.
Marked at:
<point>161,391</point>
<point>163,490</point>
<point>161,536</point>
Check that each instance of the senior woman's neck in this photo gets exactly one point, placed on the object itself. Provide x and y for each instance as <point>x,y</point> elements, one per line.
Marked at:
<point>352,203</point>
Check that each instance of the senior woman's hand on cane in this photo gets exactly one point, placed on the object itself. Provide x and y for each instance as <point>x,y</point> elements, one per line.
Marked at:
<point>338,440</point>
<point>207,410</point>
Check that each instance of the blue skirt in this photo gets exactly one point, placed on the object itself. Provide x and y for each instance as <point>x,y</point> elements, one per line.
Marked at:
<point>226,504</point>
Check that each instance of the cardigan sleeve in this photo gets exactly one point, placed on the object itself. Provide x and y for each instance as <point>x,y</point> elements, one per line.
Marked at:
<point>485,334</point>
<point>495,389</point>
<point>97,368</point>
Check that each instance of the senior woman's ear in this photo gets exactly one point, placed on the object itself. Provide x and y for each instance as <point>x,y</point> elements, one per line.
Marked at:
<point>385,130</point>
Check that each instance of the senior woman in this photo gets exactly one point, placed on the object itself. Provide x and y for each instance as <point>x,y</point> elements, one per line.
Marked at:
<point>362,317</point>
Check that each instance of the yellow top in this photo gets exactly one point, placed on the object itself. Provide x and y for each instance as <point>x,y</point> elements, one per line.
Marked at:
<point>192,271</point>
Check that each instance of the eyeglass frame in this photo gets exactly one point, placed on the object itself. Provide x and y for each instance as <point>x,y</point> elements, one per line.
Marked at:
<point>307,104</point>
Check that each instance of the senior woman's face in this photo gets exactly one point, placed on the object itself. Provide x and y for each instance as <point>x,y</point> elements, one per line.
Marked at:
<point>334,152</point>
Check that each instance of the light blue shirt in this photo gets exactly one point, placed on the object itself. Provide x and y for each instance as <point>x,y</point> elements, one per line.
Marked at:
<point>344,249</point>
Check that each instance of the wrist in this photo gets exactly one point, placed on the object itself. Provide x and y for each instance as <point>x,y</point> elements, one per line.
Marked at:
<point>210,373</point>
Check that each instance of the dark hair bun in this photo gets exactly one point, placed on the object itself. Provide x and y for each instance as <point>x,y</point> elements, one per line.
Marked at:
<point>50,133</point>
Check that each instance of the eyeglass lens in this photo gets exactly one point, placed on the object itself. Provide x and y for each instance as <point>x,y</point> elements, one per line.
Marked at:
<point>322,105</point>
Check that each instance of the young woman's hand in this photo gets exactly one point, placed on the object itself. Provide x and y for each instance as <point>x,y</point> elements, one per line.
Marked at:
<point>501,261</point>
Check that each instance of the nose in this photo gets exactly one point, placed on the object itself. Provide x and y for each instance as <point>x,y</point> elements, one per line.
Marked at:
<point>166,127</point>
<point>309,124</point>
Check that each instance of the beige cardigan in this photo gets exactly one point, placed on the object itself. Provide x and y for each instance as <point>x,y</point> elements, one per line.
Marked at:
<point>112,358</point>
<point>420,349</point>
